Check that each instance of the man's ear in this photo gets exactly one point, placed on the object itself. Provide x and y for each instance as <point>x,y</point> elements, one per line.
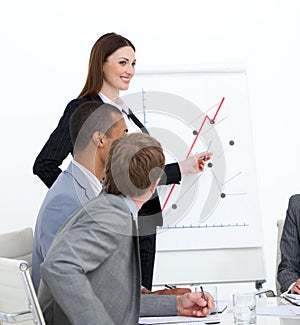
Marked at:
<point>98,138</point>
<point>153,186</point>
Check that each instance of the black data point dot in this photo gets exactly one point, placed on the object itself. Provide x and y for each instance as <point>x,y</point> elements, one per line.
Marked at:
<point>231,142</point>
<point>174,206</point>
<point>195,132</point>
<point>223,195</point>
<point>209,165</point>
<point>212,121</point>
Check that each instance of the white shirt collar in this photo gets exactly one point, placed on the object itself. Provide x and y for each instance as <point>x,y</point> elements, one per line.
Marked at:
<point>132,207</point>
<point>132,128</point>
<point>104,98</point>
<point>92,179</point>
<point>118,103</point>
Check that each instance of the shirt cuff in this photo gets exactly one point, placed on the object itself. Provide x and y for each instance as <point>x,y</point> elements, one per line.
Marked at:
<point>288,290</point>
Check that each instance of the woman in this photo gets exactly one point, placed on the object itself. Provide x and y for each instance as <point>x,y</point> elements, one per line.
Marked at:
<point>111,67</point>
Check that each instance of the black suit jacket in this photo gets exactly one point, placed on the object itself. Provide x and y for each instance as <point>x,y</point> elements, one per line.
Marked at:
<point>58,147</point>
<point>289,267</point>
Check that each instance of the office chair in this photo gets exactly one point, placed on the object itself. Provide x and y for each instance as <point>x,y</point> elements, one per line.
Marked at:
<point>18,301</point>
<point>17,245</point>
<point>280,224</point>
<point>268,292</point>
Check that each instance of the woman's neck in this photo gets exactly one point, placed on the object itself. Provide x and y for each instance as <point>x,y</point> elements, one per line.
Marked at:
<point>110,93</point>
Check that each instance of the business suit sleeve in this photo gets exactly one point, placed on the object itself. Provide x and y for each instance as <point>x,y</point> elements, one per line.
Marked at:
<point>78,252</point>
<point>51,218</point>
<point>55,150</point>
<point>289,267</point>
<point>158,305</point>
<point>58,146</point>
<point>172,174</point>
<point>56,213</point>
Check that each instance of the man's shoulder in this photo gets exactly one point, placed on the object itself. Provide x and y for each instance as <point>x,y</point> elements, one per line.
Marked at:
<point>70,182</point>
<point>295,197</point>
<point>64,185</point>
<point>107,201</point>
<point>62,198</point>
<point>294,201</point>
<point>105,205</point>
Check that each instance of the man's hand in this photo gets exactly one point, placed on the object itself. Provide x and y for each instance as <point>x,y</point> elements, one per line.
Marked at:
<point>296,287</point>
<point>193,304</point>
<point>194,164</point>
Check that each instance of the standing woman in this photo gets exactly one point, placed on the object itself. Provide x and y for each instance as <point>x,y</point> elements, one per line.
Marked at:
<point>111,67</point>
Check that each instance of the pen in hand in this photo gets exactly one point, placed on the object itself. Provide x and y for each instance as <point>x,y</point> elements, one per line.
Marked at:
<point>205,298</point>
<point>203,293</point>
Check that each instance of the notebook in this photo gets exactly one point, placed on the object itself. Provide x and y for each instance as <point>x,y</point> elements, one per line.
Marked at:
<point>292,298</point>
<point>179,320</point>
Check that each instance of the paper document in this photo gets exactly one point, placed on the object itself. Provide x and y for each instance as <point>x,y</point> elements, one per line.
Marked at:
<point>222,305</point>
<point>293,298</point>
<point>284,310</point>
<point>179,320</point>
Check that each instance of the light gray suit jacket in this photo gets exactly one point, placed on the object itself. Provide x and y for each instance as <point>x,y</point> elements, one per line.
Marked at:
<point>289,267</point>
<point>70,192</point>
<point>91,274</point>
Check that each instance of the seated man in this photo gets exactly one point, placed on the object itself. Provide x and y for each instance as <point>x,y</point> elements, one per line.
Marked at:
<point>289,268</point>
<point>91,274</point>
<point>81,181</point>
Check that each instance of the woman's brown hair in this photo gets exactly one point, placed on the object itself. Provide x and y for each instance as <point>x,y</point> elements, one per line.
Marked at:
<point>102,49</point>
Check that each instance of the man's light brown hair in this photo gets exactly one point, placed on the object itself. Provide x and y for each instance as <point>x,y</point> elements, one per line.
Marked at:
<point>134,163</point>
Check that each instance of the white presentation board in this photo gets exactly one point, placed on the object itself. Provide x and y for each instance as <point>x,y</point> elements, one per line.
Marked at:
<point>211,220</point>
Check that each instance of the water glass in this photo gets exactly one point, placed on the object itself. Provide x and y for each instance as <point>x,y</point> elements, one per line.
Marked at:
<point>244,308</point>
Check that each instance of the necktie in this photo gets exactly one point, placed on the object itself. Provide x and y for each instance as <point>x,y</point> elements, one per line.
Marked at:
<point>135,120</point>
<point>127,111</point>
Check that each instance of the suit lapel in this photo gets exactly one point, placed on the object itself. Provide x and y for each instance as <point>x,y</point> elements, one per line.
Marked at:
<point>136,121</point>
<point>81,180</point>
<point>136,247</point>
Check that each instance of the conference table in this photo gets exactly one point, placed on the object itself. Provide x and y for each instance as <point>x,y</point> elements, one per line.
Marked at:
<point>271,307</point>
<point>227,318</point>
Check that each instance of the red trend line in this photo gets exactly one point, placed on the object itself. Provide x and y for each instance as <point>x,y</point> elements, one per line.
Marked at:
<point>192,146</point>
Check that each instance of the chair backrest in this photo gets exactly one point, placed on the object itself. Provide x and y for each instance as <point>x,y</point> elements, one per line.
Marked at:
<point>17,245</point>
<point>280,224</point>
<point>18,300</point>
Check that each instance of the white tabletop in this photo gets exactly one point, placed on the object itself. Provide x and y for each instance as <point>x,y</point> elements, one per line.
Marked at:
<point>227,316</point>
<point>266,305</point>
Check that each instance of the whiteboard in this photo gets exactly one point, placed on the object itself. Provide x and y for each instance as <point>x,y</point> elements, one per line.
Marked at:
<point>212,218</point>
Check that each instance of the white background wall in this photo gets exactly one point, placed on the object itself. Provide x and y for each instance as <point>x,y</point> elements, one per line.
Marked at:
<point>45,48</point>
